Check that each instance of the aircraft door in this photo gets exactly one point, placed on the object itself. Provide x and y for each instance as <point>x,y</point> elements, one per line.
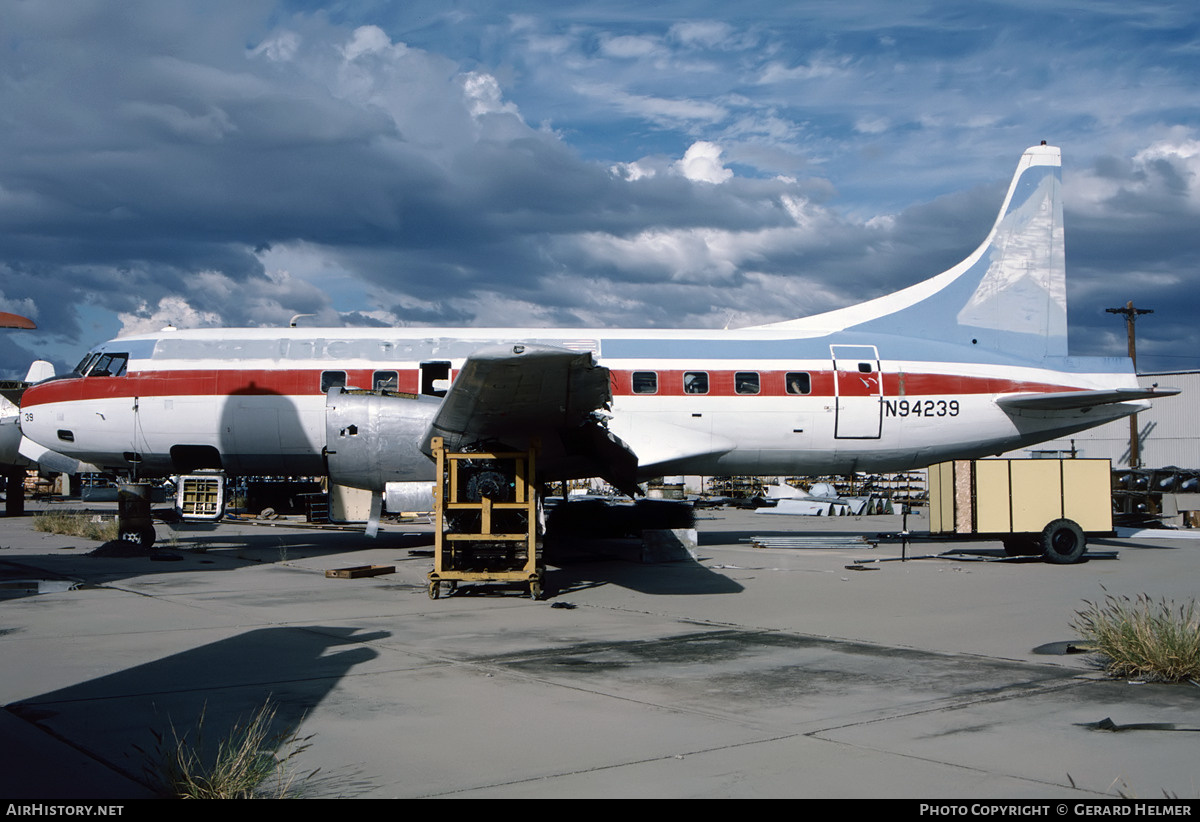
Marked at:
<point>858,391</point>
<point>435,378</point>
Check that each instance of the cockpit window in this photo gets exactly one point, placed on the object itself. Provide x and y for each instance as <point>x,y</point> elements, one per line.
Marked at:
<point>87,360</point>
<point>108,365</point>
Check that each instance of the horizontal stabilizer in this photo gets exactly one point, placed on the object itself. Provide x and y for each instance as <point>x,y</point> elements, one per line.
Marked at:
<point>1066,400</point>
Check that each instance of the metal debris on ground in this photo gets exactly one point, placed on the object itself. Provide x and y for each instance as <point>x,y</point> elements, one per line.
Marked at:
<point>899,559</point>
<point>1107,724</point>
<point>360,571</point>
<point>824,541</point>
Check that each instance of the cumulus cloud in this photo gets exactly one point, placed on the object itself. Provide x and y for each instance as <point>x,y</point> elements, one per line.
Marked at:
<point>171,311</point>
<point>702,162</point>
<point>279,48</point>
<point>1171,169</point>
<point>1163,176</point>
<point>484,96</point>
<point>368,40</point>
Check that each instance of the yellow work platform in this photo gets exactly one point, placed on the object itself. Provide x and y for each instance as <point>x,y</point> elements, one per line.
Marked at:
<point>486,519</point>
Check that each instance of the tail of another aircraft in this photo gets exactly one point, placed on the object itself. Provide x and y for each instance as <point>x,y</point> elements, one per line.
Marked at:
<point>1009,295</point>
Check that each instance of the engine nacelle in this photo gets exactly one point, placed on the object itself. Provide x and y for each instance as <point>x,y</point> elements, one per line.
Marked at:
<point>373,438</point>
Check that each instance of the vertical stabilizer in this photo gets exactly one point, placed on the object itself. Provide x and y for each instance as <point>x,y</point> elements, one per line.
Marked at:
<point>1009,295</point>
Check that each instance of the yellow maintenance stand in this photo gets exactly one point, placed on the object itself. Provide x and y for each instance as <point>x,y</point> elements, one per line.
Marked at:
<point>486,519</point>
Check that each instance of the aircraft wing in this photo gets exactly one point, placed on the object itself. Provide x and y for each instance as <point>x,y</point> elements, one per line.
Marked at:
<point>1065,400</point>
<point>510,395</point>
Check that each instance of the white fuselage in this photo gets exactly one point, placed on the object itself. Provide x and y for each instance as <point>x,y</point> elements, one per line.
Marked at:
<point>766,402</point>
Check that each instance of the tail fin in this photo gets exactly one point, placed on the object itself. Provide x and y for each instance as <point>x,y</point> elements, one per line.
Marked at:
<point>1009,295</point>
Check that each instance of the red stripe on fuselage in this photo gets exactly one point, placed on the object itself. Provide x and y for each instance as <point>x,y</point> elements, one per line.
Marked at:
<point>774,384</point>
<point>297,382</point>
<point>222,383</point>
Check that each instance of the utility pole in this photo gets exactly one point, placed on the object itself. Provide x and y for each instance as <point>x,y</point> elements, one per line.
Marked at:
<point>1131,315</point>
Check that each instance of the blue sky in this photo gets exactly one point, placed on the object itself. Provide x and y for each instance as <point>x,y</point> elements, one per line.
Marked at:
<point>685,164</point>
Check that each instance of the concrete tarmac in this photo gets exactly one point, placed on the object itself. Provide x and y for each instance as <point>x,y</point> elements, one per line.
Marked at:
<point>782,672</point>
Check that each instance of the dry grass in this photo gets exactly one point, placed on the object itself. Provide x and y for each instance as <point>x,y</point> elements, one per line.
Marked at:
<point>250,762</point>
<point>1142,638</point>
<point>76,524</point>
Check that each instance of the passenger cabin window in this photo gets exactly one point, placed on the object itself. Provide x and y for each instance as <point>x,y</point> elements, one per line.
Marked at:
<point>695,382</point>
<point>798,382</point>
<point>385,381</point>
<point>746,382</point>
<point>331,378</point>
<point>645,382</point>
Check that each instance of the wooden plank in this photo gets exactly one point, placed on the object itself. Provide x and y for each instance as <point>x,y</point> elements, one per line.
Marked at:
<point>964,496</point>
<point>1087,493</point>
<point>1036,494</point>
<point>993,496</point>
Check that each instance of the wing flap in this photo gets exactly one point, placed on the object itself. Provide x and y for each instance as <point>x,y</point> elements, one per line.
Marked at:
<point>508,390</point>
<point>513,394</point>
<point>661,446</point>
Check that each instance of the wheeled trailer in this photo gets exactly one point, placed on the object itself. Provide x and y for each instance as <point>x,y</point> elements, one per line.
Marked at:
<point>486,519</point>
<point>1035,507</point>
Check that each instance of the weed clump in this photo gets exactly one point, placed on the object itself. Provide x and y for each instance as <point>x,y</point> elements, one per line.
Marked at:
<point>1142,638</point>
<point>76,524</point>
<point>250,762</point>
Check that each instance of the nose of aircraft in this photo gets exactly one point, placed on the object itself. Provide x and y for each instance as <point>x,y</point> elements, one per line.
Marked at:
<point>45,436</point>
<point>12,428</point>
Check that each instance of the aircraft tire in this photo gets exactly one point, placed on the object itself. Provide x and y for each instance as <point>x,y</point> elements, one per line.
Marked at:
<point>1063,542</point>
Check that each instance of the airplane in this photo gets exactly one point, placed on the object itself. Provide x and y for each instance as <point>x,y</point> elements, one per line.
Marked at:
<point>820,500</point>
<point>12,464</point>
<point>968,363</point>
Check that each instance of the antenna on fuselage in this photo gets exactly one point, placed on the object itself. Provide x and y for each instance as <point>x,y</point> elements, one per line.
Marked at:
<point>292,321</point>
